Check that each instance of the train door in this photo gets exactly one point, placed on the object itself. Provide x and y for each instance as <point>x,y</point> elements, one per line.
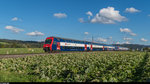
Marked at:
<point>107,48</point>
<point>91,47</point>
<point>85,47</point>
<point>88,47</point>
<point>103,48</point>
<point>118,48</point>
<point>58,45</point>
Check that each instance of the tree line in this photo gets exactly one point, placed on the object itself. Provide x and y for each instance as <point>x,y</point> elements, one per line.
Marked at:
<point>4,43</point>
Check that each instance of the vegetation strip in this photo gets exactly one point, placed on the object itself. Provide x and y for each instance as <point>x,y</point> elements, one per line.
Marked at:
<point>37,54</point>
<point>77,67</point>
<point>140,69</point>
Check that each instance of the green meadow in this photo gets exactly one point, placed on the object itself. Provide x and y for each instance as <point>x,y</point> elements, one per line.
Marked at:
<point>109,66</point>
<point>21,50</point>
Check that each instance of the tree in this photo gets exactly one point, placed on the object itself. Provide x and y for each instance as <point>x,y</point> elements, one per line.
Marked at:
<point>146,49</point>
<point>2,45</point>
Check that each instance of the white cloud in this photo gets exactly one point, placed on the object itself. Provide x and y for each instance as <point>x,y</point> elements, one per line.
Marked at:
<point>128,39</point>
<point>14,19</point>
<point>132,10</point>
<point>102,39</point>
<point>110,37</point>
<point>108,16</point>
<point>42,40</point>
<point>144,40</point>
<point>60,15</point>
<point>89,13</point>
<point>36,33</point>
<point>127,42</point>
<point>149,15</point>
<point>126,30</point>
<point>117,42</point>
<point>81,20</point>
<point>14,29</point>
<point>86,33</point>
<point>132,34</point>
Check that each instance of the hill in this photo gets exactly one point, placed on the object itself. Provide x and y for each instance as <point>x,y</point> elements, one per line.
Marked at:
<point>5,43</point>
<point>132,46</point>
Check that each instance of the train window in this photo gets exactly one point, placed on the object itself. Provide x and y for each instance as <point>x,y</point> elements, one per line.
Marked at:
<point>63,47</point>
<point>69,47</point>
<point>48,41</point>
<point>58,39</point>
<point>54,42</point>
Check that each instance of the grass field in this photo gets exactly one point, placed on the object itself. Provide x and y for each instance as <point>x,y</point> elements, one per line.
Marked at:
<point>78,67</point>
<point>3,43</point>
<point>20,50</point>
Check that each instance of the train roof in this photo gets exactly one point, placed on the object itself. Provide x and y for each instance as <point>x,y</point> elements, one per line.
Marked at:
<point>84,41</point>
<point>76,40</point>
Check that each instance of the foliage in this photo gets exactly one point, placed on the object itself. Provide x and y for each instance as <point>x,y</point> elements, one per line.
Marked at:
<point>147,49</point>
<point>20,50</point>
<point>106,66</point>
<point>4,43</point>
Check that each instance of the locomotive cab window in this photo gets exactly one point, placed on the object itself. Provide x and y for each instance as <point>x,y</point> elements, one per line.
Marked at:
<point>48,41</point>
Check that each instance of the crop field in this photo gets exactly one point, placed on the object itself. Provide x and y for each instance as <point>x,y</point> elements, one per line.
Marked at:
<point>109,66</point>
<point>20,50</point>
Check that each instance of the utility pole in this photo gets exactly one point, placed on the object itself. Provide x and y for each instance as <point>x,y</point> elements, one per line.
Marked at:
<point>92,43</point>
<point>92,39</point>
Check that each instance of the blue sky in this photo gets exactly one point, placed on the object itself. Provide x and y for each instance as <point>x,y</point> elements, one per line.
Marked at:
<point>108,21</point>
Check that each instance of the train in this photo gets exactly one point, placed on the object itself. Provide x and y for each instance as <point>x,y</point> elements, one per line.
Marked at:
<point>53,44</point>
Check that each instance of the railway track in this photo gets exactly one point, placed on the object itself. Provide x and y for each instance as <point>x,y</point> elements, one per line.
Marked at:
<point>39,54</point>
<point>20,55</point>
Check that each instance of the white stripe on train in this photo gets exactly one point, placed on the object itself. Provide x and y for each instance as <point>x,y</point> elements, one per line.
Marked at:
<point>79,45</point>
<point>88,45</point>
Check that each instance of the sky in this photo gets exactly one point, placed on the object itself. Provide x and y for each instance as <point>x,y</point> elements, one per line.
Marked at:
<point>107,21</point>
